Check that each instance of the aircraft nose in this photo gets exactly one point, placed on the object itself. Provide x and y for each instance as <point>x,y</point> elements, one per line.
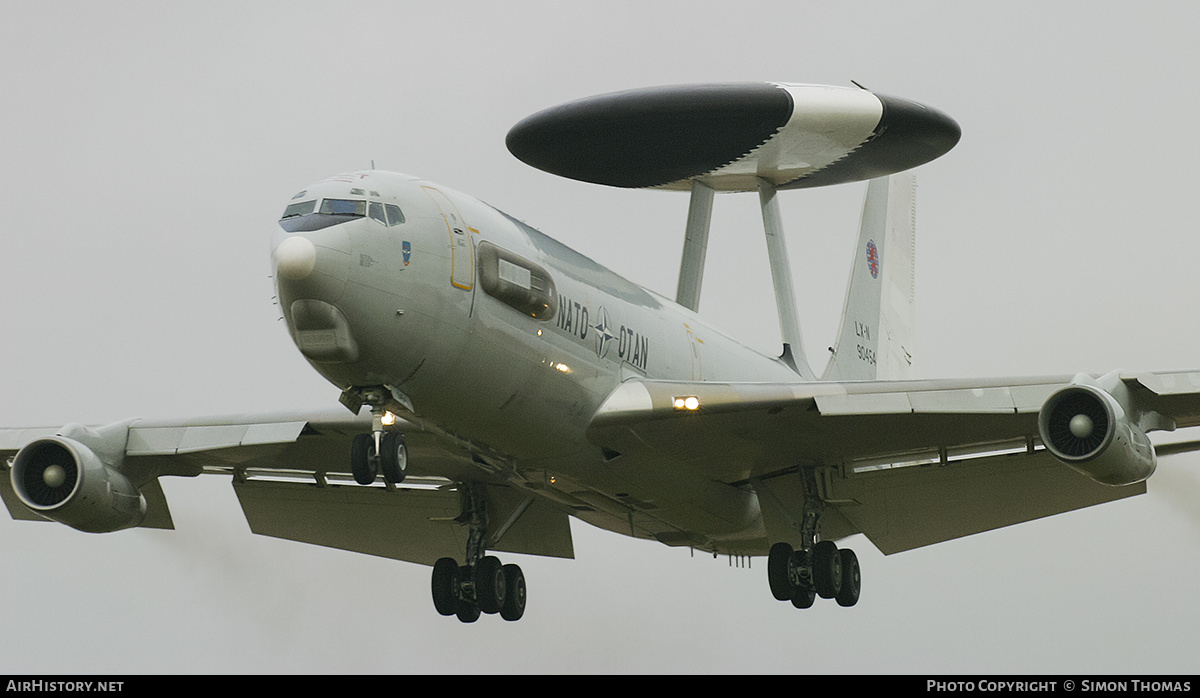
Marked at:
<point>295,258</point>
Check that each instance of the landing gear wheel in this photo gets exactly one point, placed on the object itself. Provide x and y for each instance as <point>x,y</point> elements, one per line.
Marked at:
<point>804,598</point>
<point>851,578</point>
<point>490,585</point>
<point>781,571</point>
<point>514,601</point>
<point>393,457</point>
<point>445,586</point>
<point>363,462</point>
<point>826,569</point>
<point>467,612</point>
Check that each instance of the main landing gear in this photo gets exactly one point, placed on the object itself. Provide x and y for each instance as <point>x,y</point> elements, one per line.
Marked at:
<point>800,576</point>
<point>819,568</point>
<point>486,587</point>
<point>483,585</point>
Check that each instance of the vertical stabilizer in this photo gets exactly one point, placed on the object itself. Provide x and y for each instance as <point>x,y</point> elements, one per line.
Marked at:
<point>875,341</point>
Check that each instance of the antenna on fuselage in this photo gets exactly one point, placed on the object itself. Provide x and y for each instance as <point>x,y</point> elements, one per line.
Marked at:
<point>737,137</point>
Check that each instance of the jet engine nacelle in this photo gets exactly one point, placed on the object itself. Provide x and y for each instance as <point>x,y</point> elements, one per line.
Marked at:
<point>1086,428</point>
<point>65,481</point>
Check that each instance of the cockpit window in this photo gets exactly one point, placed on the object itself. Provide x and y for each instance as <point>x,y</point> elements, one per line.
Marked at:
<point>305,216</point>
<point>394,215</point>
<point>300,209</point>
<point>376,212</point>
<point>344,207</point>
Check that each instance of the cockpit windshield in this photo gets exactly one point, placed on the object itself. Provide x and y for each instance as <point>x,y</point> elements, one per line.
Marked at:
<point>301,209</point>
<point>344,207</point>
<point>306,216</point>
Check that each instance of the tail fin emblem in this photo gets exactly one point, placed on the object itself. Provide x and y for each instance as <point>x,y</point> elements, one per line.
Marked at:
<point>873,259</point>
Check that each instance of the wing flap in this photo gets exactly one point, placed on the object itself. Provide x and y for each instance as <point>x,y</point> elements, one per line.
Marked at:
<point>903,508</point>
<point>402,524</point>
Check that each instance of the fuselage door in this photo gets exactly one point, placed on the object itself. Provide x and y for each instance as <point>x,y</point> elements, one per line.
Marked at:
<point>462,252</point>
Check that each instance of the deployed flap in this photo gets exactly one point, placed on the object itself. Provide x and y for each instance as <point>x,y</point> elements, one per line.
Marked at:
<point>402,524</point>
<point>875,340</point>
<point>903,508</point>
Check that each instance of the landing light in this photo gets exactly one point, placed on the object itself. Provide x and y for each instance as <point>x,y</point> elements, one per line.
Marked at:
<point>690,402</point>
<point>388,419</point>
<point>563,367</point>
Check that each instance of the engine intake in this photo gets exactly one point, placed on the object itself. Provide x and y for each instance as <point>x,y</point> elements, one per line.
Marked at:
<point>1086,428</point>
<point>65,481</point>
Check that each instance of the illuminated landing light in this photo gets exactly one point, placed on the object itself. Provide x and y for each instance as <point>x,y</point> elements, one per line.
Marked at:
<point>539,333</point>
<point>563,367</point>
<point>388,419</point>
<point>690,402</point>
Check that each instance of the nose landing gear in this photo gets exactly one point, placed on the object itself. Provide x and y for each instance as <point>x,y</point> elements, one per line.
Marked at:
<point>378,451</point>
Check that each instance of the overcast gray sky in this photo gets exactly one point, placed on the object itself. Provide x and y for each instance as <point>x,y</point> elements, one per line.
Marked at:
<point>147,148</point>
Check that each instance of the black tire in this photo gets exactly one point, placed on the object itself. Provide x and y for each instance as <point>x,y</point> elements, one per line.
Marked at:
<point>393,457</point>
<point>490,586</point>
<point>804,598</point>
<point>851,578</point>
<point>515,593</point>
<point>363,464</point>
<point>467,612</point>
<point>780,571</point>
<point>826,569</point>
<point>445,586</point>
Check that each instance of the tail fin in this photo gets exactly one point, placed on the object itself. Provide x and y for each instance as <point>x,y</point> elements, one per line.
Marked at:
<point>875,341</point>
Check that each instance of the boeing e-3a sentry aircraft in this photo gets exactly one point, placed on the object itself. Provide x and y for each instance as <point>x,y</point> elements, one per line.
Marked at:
<point>511,383</point>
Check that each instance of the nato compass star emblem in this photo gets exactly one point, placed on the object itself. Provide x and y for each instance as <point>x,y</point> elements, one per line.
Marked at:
<point>406,248</point>
<point>603,334</point>
<point>873,259</point>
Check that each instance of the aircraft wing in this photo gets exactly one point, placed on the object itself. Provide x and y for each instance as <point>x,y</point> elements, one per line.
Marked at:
<point>907,463</point>
<point>291,474</point>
